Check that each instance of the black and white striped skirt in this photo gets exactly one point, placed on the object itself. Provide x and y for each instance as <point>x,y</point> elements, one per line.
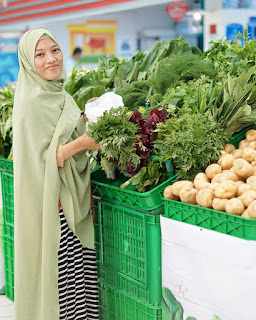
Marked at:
<point>78,285</point>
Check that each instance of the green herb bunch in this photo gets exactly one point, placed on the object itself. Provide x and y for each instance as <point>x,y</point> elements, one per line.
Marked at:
<point>117,137</point>
<point>192,142</point>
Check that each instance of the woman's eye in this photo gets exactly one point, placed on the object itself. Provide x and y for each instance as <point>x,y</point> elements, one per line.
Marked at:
<point>56,50</point>
<point>39,55</point>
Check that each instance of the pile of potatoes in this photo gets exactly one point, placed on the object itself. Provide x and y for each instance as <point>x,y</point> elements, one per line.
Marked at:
<point>228,185</point>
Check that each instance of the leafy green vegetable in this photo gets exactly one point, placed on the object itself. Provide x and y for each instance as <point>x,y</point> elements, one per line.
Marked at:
<point>175,68</point>
<point>152,174</point>
<point>134,94</point>
<point>192,142</point>
<point>117,137</point>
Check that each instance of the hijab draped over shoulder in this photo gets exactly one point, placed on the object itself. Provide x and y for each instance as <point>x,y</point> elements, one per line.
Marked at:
<point>44,117</point>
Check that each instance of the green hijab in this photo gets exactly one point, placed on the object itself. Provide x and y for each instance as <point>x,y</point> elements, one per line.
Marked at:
<point>44,117</point>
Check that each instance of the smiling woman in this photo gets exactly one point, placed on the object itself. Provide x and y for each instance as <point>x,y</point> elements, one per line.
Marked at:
<point>48,59</point>
<point>55,262</point>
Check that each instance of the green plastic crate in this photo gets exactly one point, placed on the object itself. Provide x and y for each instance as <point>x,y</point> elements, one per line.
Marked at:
<point>8,199</point>
<point>128,250</point>
<point>110,190</point>
<point>219,221</point>
<point>6,165</point>
<point>9,266</point>
<point>117,305</point>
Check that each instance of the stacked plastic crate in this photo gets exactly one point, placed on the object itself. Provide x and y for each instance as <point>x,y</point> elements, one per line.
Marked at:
<point>6,169</point>
<point>128,246</point>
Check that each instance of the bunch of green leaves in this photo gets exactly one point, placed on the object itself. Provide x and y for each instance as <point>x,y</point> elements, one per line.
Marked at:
<point>116,73</point>
<point>176,68</point>
<point>6,109</point>
<point>150,175</point>
<point>117,137</point>
<point>191,142</point>
<point>134,94</point>
<point>233,105</point>
<point>230,57</point>
<point>85,84</point>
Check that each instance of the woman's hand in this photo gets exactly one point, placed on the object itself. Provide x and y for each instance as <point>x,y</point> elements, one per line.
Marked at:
<point>88,143</point>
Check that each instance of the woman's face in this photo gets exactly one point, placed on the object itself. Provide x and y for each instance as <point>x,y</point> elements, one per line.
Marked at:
<point>48,59</point>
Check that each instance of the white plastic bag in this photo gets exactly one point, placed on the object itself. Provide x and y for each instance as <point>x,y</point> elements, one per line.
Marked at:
<point>95,109</point>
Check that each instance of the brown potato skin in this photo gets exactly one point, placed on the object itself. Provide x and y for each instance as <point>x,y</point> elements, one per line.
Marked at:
<point>234,206</point>
<point>219,204</point>
<point>225,190</point>
<point>169,195</point>
<point>212,170</point>
<point>205,197</point>
<point>188,195</point>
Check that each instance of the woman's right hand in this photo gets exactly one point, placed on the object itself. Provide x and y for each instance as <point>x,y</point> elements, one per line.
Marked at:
<point>89,143</point>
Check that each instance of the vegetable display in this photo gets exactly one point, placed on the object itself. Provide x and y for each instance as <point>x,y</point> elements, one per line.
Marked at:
<point>228,185</point>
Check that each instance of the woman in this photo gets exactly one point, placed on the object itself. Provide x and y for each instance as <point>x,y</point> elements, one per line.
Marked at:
<point>55,266</point>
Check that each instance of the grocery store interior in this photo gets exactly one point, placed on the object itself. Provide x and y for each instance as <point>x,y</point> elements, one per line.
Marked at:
<point>173,183</point>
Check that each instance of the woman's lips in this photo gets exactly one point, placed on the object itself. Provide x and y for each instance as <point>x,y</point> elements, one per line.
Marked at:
<point>52,67</point>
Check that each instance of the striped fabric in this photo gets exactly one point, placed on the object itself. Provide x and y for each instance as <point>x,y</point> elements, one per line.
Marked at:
<point>78,285</point>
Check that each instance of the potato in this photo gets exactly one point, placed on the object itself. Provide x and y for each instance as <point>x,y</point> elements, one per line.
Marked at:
<point>222,152</point>
<point>237,183</point>
<point>212,170</point>
<point>245,214</point>
<point>251,180</point>
<point>252,209</point>
<point>254,171</point>
<point>251,135</point>
<point>237,153</point>
<point>219,204</point>
<point>243,144</point>
<point>226,161</point>
<point>229,148</point>
<point>225,190</point>
<point>205,197</point>
<point>242,188</point>
<point>202,184</point>
<point>252,145</point>
<point>177,186</point>
<point>200,177</point>
<point>247,197</point>
<point>248,154</point>
<point>188,195</point>
<point>213,186</point>
<point>168,194</point>
<point>242,168</point>
<point>253,186</point>
<point>224,176</point>
<point>234,206</point>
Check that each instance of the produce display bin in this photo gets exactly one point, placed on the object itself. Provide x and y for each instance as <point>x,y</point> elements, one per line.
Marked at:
<point>6,165</point>
<point>223,222</point>
<point>110,189</point>
<point>9,266</point>
<point>128,250</point>
<point>8,199</point>
<point>117,305</point>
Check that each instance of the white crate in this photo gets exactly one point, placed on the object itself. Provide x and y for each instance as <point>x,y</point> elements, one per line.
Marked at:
<point>209,272</point>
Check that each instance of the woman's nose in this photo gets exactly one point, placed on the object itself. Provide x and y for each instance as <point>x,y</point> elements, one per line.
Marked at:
<point>51,58</point>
